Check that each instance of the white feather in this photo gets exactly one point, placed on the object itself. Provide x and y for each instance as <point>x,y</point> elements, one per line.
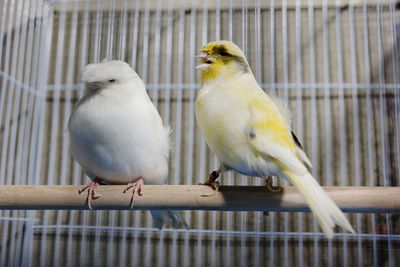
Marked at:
<point>324,209</point>
<point>116,133</point>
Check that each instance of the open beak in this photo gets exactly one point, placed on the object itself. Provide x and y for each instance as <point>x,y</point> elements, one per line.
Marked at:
<point>94,86</point>
<point>204,60</point>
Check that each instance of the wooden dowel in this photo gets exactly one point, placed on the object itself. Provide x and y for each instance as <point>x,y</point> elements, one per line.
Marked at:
<point>190,197</point>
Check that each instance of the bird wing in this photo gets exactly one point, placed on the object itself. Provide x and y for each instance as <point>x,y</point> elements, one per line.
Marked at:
<point>269,134</point>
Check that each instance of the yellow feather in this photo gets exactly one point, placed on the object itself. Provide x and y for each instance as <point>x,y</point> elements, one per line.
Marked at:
<point>247,131</point>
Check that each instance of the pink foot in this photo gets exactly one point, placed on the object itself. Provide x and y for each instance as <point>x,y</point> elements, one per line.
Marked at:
<point>92,191</point>
<point>137,189</point>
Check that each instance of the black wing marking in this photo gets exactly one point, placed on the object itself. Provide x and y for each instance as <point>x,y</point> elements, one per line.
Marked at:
<point>296,140</point>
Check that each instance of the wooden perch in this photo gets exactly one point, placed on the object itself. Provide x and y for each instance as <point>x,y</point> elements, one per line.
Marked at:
<point>189,197</point>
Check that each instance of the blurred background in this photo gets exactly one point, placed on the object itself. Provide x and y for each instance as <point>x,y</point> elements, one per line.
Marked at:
<point>335,62</point>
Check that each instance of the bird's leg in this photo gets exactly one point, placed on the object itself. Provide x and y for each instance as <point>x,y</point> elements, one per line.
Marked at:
<point>137,189</point>
<point>212,182</point>
<point>212,177</point>
<point>270,186</point>
<point>92,191</point>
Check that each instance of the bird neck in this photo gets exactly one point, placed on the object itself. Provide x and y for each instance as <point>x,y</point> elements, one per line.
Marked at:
<point>218,73</point>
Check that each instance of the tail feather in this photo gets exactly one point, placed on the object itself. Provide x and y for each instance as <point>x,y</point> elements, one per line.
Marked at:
<point>164,217</point>
<point>325,210</point>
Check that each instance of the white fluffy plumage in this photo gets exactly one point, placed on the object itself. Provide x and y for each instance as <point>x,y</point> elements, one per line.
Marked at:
<point>116,133</point>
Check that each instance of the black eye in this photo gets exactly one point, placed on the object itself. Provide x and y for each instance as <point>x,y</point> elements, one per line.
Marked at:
<point>112,80</point>
<point>224,53</point>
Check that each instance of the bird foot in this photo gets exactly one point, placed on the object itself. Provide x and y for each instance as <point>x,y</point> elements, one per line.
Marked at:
<point>92,191</point>
<point>212,182</point>
<point>271,187</point>
<point>214,185</point>
<point>137,189</point>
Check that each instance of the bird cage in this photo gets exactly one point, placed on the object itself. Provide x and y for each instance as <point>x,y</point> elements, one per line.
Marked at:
<point>336,63</point>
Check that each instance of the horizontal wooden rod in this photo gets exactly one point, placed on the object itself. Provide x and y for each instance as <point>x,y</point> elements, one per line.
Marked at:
<point>191,197</point>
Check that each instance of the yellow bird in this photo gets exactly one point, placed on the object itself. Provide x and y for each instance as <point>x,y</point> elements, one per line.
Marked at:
<point>250,132</point>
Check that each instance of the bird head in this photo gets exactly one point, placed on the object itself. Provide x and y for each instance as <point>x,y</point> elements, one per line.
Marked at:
<point>107,73</point>
<point>221,59</point>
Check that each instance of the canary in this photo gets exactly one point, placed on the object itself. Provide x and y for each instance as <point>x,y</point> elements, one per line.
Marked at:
<point>117,135</point>
<point>250,131</point>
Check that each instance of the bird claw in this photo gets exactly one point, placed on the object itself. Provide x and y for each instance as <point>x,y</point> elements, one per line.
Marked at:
<point>214,185</point>
<point>137,189</point>
<point>271,187</point>
<point>211,182</point>
<point>92,191</point>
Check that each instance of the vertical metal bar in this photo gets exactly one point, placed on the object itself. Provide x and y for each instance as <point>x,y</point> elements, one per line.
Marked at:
<point>51,171</point>
<point>286,96</point>
<point>3,92</point>
<point>96,58</point>
<point>146,26</point>
<point>12,112</point>
<point>342,125</point>
<point>327,102</point>
<point>217,20</point>
<point>190,149</point>
<point>200,221</point>
<point>109,53</point>
<point>272,46</point>
<point>381,92</point>
<point>64,152</point>
<point>157,53</point>
<point>369,120</point>
<point>34,105</point>
<point>43,64</point>
<point>228,255</point>
<point>178,130</point>
<point>314,126</point>
<point>135,34</point>
<point>25,58</point>
<point>82,62</point>
<point>382,105</point>
<point>110,30</point>
<point>122,40</point>
<point>230,21</point>
<point>214,213</point>
<point>2,25</point>
<point>12,107</point>
<point>257,42</point>
<point>299,112</point>
<point>96,53</point>
<point>395,58</point>
<point>7,63</point>
<point>122,261</point>
<point>5,70</point>
<point>356,136</point>
<point>156,67</point>
<point>168,65</point>
<point>243,178</point>
<point>122,53</point>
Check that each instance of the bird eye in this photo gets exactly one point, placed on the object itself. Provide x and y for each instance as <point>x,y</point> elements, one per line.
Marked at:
<point>112,80</point>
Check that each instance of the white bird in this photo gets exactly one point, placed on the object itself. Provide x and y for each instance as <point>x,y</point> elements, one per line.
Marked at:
<point>250,132</point>
<point>117,135</point>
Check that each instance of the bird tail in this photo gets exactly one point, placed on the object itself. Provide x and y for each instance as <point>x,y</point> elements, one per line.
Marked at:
<point>325,210</point>
<point>164,217</point>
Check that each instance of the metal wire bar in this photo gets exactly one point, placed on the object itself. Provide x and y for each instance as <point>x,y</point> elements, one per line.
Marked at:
<point>292,235</point>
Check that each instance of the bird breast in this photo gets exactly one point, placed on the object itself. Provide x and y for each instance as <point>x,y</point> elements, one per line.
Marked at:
<point>119,139</point>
